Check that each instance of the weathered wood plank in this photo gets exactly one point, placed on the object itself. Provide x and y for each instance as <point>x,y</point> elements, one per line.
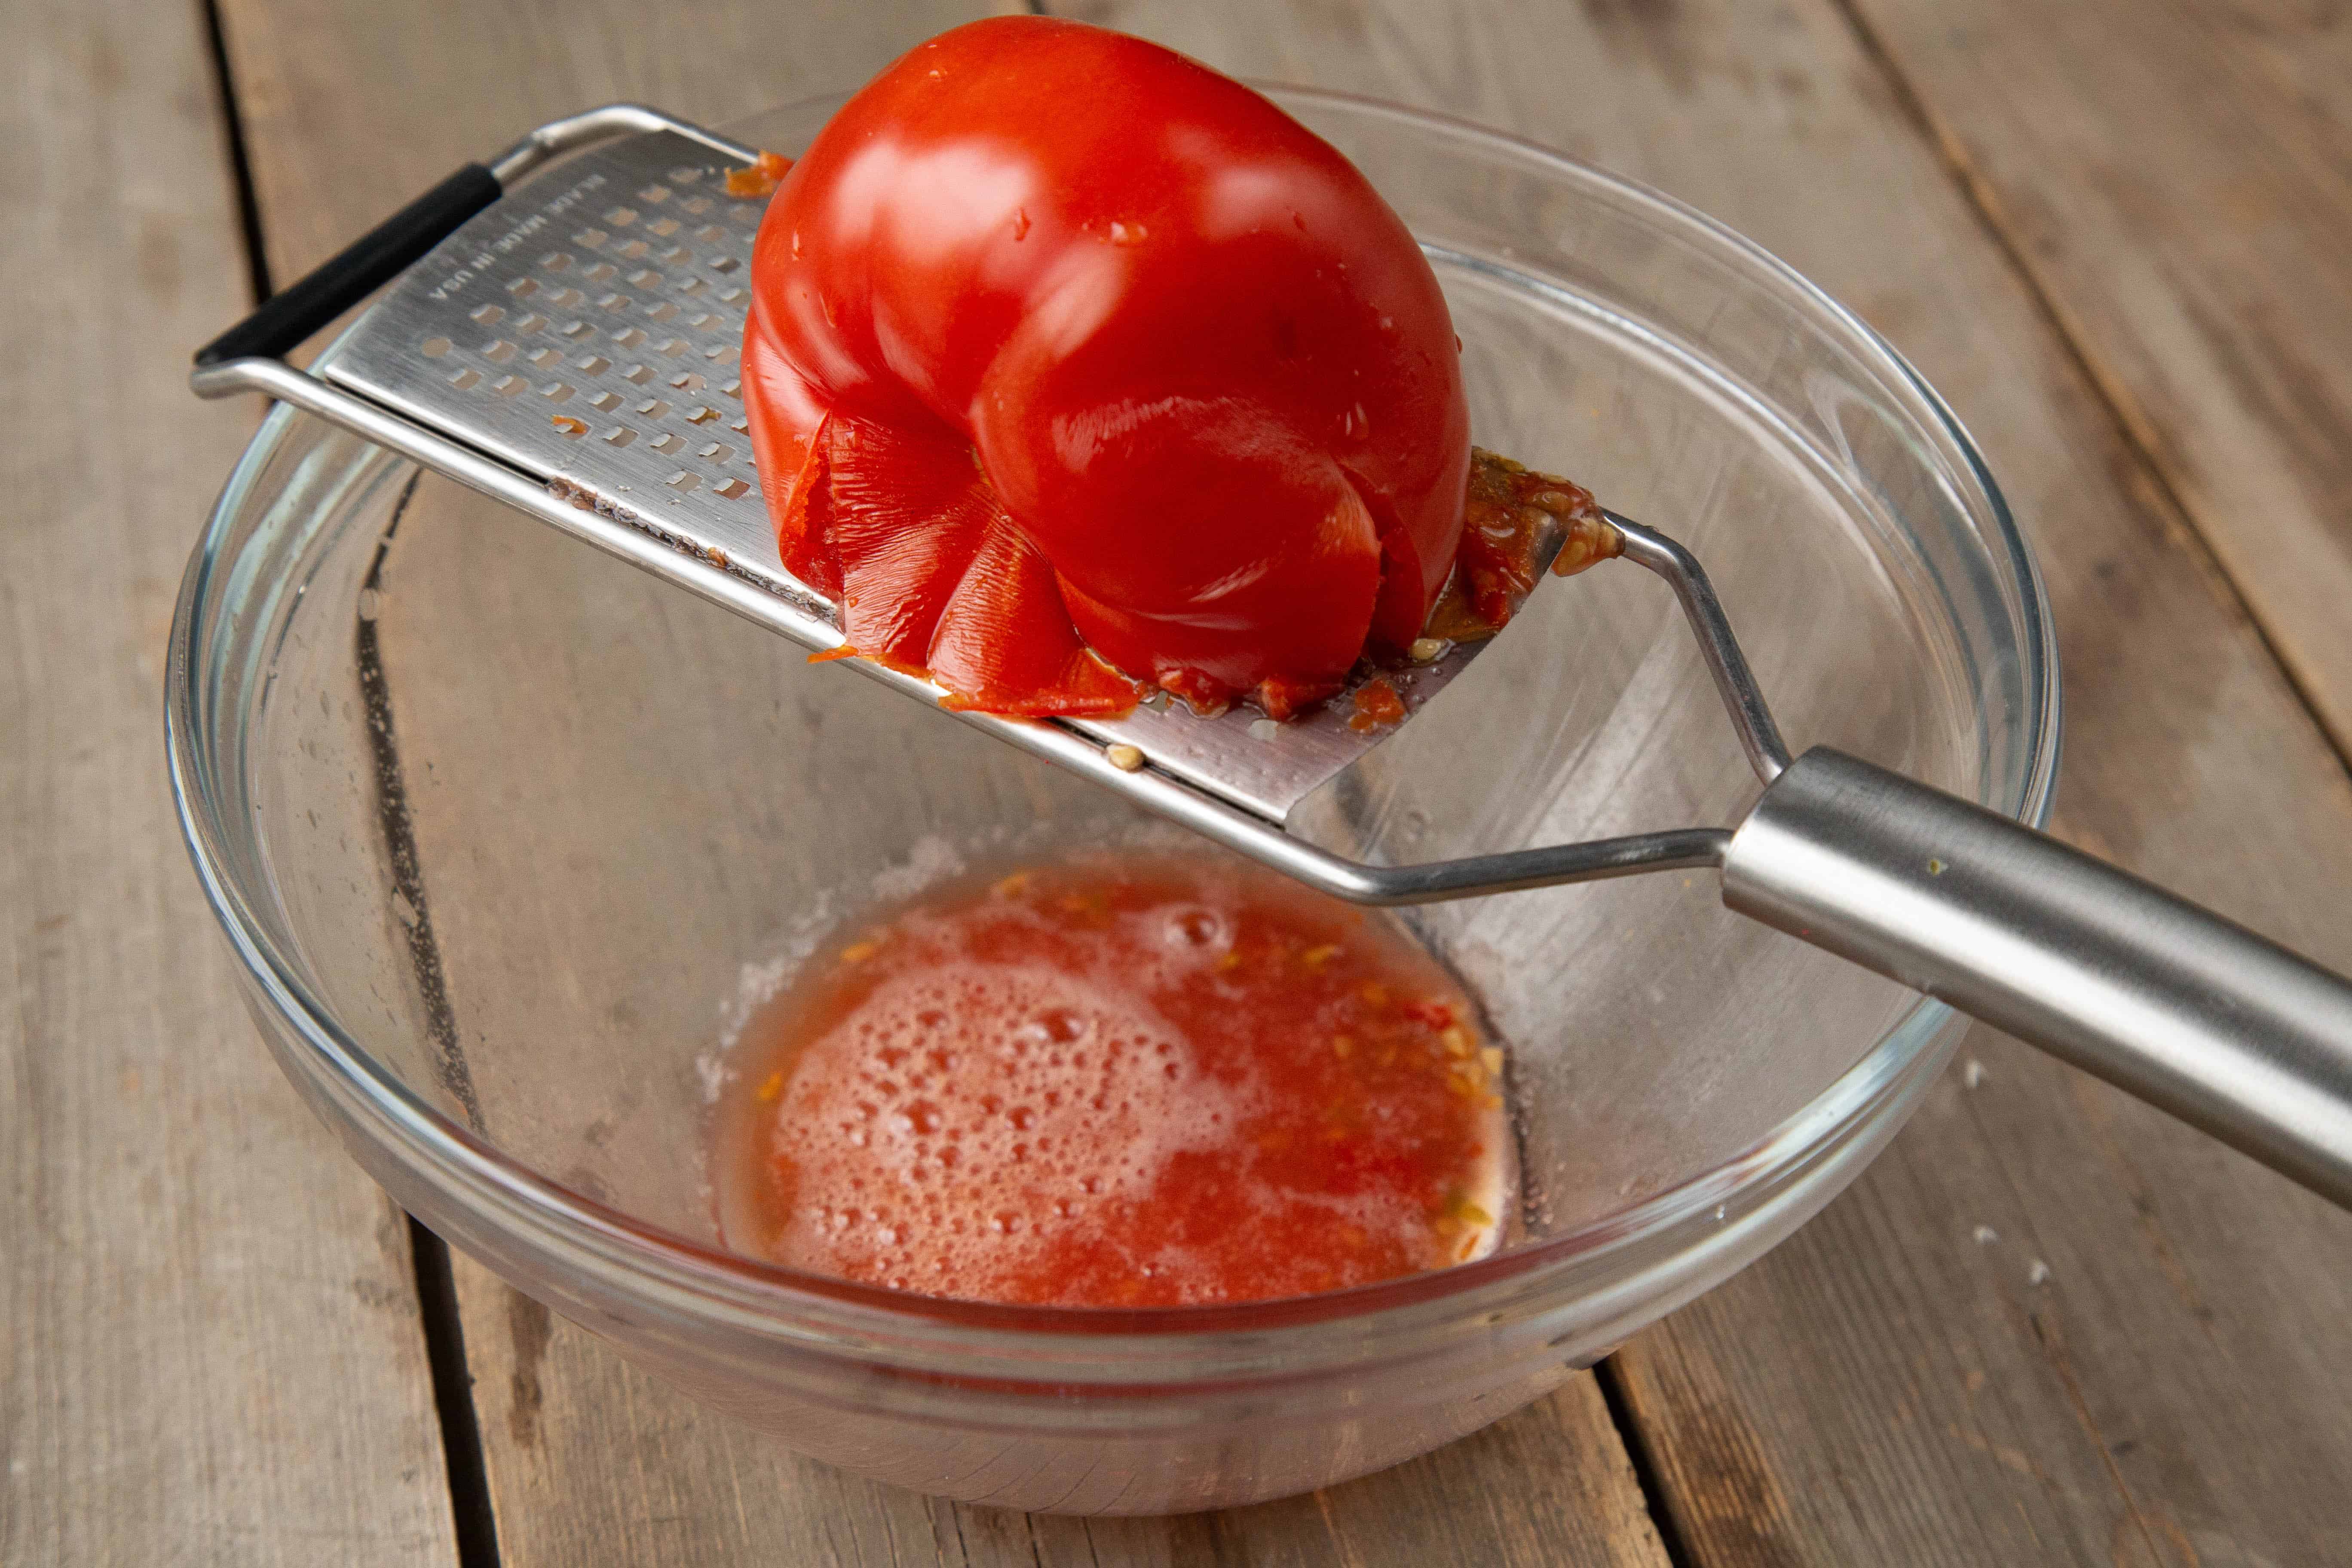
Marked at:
<point>2177,178</point>
<point>209,1346</point>
<point>351,109</point>
<point>588,1459</point>
<point>1898,1384</point>
<point>604,1463</point>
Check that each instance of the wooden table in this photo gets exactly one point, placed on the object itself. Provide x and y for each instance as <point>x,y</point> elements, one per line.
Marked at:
<point>2047,1326</point>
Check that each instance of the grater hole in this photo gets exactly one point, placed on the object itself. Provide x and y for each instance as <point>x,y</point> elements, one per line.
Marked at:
<point>730,296</point>
<point>593,239</point>
<point>434,348</point>
<point>567,300</point>
<point>594,364</point>
<point>731,489</point>
<point>700,319</point>
<point>603,272</point>
<point>629,337</point>
<point>644,278</point>
<point>466,380</point>
<point>556,392</point>
<point>547,359</point>
<point>489,315</point>
<point>507,386</point>
<point>684,176</point>
<point>578,329</point>
<point>732,389</point>
<point>717,452</point>
<point>740,427</point>
<point>522,288</point>
<point>556,261</point>
<point>691,286</point>
<point>719,354</point>
<point>637,374</point>
<point>654,194</point>
<point>698,205</point>
<point>654,408</point>
<point>677,256</point>
<point>612,301</point>
<point>619,436</point>
<point>499,351</point>
<point>682,481</point>
<point>574,428</point>
<point>605,400</point>
<point>632,251</point>
<point>664,226</point>
<point>664,312</point>
<point>530,323</point>
<point>710,233</point>
<point>724,264</point>
<point>688,382</point>
<point>700,414</point>
<point>621,217</point>
<point>666,442</point>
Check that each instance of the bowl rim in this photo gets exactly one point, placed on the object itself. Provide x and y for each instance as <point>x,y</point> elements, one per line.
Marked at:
<point>771,1301</point>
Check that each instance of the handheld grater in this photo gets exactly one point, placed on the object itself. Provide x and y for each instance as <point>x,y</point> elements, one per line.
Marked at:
<point>561,331</point>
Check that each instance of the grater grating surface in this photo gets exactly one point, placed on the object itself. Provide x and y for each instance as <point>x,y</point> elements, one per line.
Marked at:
<point>587,330</point>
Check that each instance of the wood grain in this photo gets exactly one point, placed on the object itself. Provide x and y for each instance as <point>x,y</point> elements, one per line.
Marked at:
<point>1903,1382</point>
<point>2175,176</point>
<point>209,1347</point>
<point>602,1463</point>
<point>590,1460</point>
<point>350,108</point>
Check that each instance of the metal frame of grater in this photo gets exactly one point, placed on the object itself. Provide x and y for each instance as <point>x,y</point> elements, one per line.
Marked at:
<point>570,348</point>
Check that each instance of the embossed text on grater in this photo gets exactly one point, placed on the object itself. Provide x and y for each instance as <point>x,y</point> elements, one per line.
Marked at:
<point>590,335</point>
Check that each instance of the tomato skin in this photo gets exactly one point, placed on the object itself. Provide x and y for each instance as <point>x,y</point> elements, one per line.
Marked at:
<point>1202,368</point>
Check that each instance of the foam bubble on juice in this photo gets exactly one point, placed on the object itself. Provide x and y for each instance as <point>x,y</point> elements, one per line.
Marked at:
<point>967,1116</point>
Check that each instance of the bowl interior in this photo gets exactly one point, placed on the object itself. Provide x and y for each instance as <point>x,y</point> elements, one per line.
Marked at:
<point>538,830</point>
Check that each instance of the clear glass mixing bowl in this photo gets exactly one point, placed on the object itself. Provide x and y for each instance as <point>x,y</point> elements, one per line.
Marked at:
<point>506,836</point>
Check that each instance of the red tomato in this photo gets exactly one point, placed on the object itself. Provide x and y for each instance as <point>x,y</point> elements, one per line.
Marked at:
<point>1060,340</point>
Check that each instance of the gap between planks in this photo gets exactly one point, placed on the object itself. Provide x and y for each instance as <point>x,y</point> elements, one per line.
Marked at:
<point>436,1291</point>
<point>1648,1474</point>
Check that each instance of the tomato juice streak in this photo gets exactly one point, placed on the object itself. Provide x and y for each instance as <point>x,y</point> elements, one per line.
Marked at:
<point>1133,1080</point>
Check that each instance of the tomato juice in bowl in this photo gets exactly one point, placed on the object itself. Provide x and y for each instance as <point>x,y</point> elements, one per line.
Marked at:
<point>495,827</point>
<point>1114,1080</point>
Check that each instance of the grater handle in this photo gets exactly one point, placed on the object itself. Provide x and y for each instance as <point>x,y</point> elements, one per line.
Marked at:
<point>2168,1002</point>
<point>368,262</point>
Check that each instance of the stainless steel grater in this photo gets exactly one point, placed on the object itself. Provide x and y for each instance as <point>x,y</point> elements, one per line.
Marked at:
<point>562,333</point>
<point>583,330</point>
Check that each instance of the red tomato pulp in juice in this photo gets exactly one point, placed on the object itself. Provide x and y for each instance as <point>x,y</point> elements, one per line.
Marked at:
<point>1131,1081</point>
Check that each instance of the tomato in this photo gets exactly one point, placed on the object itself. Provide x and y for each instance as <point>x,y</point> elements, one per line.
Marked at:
<point>1063,345</point>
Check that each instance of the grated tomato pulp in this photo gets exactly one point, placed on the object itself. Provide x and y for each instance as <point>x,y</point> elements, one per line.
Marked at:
<point>1124,1081</point>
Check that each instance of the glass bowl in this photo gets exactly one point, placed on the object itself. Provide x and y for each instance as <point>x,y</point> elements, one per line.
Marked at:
<point>508,837</point>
